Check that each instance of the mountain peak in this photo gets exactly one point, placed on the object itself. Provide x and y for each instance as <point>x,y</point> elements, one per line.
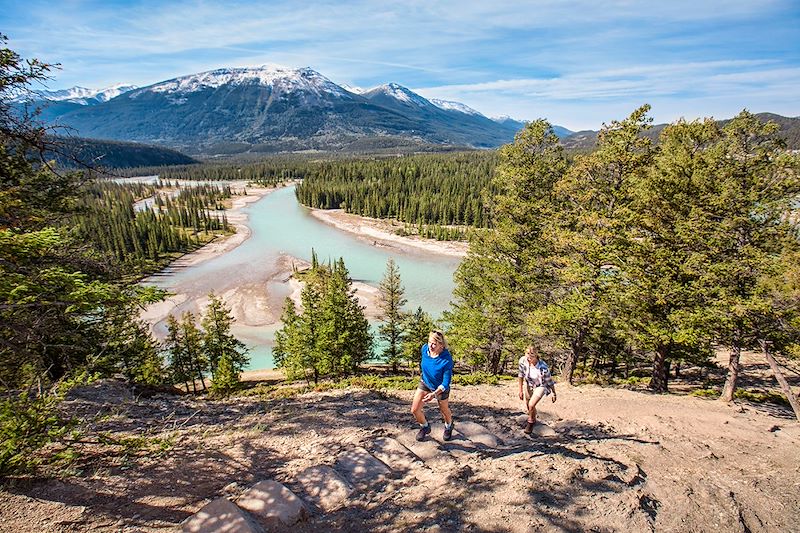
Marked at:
<point>266,75</point>
<point>398,92</point>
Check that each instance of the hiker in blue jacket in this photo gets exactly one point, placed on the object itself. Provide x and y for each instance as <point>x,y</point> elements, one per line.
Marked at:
<point>436,367</point>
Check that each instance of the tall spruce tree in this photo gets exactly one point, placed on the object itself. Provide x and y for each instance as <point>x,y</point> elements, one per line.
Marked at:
<point>391,305</point>
<point>416,328</point>
<point>508,270</point>
<point>330,336</point>
<point>218,342</point>
<point>755,193</point>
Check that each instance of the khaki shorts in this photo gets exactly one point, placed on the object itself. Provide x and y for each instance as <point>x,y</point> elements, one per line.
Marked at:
<point>530,390</point>
<point>443,396</point>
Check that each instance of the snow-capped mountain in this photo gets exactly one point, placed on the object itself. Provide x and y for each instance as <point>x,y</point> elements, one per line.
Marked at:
<point>273,108</point>
<point>394,93</point>
<point>279,78</point>
<point>78,95</point>
<point>449,105</point>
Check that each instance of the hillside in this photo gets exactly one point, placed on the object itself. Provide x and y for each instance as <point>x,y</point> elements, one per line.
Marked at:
<point>603,459</point>
<point>74,152</point>
<point>790,132</point>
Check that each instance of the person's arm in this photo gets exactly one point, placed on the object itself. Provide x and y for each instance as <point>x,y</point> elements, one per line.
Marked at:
<point>448,375</point>
<point>521,379</point>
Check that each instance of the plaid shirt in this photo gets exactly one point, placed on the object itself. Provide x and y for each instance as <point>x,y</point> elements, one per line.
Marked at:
<point>535,379</point>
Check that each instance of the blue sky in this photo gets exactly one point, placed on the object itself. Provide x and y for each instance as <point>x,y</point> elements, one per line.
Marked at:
<point>578,63</point>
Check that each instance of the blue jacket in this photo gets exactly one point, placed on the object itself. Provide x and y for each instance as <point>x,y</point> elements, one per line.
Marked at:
<point>436,370</point>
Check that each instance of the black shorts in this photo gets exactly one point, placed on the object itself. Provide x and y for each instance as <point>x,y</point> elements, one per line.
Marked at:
<point>443,396</point>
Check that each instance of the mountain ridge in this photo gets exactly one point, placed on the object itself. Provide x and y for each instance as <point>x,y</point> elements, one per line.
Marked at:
<point>275,108</point>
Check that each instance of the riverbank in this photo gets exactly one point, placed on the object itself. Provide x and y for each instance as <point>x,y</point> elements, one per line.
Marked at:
<point>255,292</point>
<point>383,233</point>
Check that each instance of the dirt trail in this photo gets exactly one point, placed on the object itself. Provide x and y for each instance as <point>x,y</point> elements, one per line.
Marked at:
<point>618,460</point>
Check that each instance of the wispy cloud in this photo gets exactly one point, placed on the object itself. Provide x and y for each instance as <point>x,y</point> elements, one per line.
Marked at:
<point>495,56</point>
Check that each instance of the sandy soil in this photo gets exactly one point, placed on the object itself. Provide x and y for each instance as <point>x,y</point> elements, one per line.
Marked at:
<point>380,232</point>
<point>615,460</point>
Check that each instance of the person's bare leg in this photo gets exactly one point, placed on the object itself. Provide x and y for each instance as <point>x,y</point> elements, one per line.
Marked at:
<point>537,395</point>
<point>444,407</point>
<point>416,407</point>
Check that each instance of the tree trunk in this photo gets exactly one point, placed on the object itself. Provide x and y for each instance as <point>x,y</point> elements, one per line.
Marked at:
<point>787,390</point>
<point>576,348</point>
<point>658,381</point>
<point>733,373</point>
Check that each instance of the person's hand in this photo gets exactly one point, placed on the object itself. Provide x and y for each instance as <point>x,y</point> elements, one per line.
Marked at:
<point>429,397</point>
<point>521,396</point>
<point>554,396</point>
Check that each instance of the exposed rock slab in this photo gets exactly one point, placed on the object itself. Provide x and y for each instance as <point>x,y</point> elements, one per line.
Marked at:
<point>324,487</point>
<point>428,450</point>
<point>272,504</point>
<point>360,468</point>
<point>394,454</point>
<point>220,516</point>
<point>477,434</point>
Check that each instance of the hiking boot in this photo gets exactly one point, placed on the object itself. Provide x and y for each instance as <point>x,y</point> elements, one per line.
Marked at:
<point>529,428</point>
<point>422,432</point>
<point>448,432</point>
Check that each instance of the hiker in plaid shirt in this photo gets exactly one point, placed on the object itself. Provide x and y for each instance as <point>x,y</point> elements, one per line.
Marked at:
<point>533,372</point>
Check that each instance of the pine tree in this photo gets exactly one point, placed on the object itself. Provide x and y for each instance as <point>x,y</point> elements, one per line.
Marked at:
<point>507,273</point>
<point>179,368</point>
<point>756,185</point>
<point>218,342</point>
<point>416,328</point>
<point>391,303</point>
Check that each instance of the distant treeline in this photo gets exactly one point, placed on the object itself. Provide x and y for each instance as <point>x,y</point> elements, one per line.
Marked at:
<point>267,173</point>
<point>138,242</point>
<point>76,152</point>
<point>438,189</point>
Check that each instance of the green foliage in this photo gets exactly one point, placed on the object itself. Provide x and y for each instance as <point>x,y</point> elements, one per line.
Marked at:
<point>416,328</point>
<point>705,393</point>
<point>141,241</point>
<point>331,336</point>
<point>507,271</point>
<point>476,378</point>
<point>220,346</point>
<point>27,424</point>
<point>437,190</point>
<point>267,173</point>
<point>391,303</point>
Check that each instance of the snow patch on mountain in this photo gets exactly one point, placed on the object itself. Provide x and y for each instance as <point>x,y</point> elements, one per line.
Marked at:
<point>398,92</point>
<point>286,79</point>
<point>77,95</point>
<point>353,88</point>
<point>449,105</point>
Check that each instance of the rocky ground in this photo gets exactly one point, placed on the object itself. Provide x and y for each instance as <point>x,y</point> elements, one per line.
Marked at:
<point>603,459</point>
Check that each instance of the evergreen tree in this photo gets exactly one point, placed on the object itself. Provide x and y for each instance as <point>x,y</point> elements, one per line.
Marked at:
<point>508,271</point>
<point>391,303</point>
<point>756,185</point>
<point>196,360</point>
<point>179,369</point>
<point>416,328</point>
<point>218,342</point>
<point>331,335</point>
<point>226,378</point>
